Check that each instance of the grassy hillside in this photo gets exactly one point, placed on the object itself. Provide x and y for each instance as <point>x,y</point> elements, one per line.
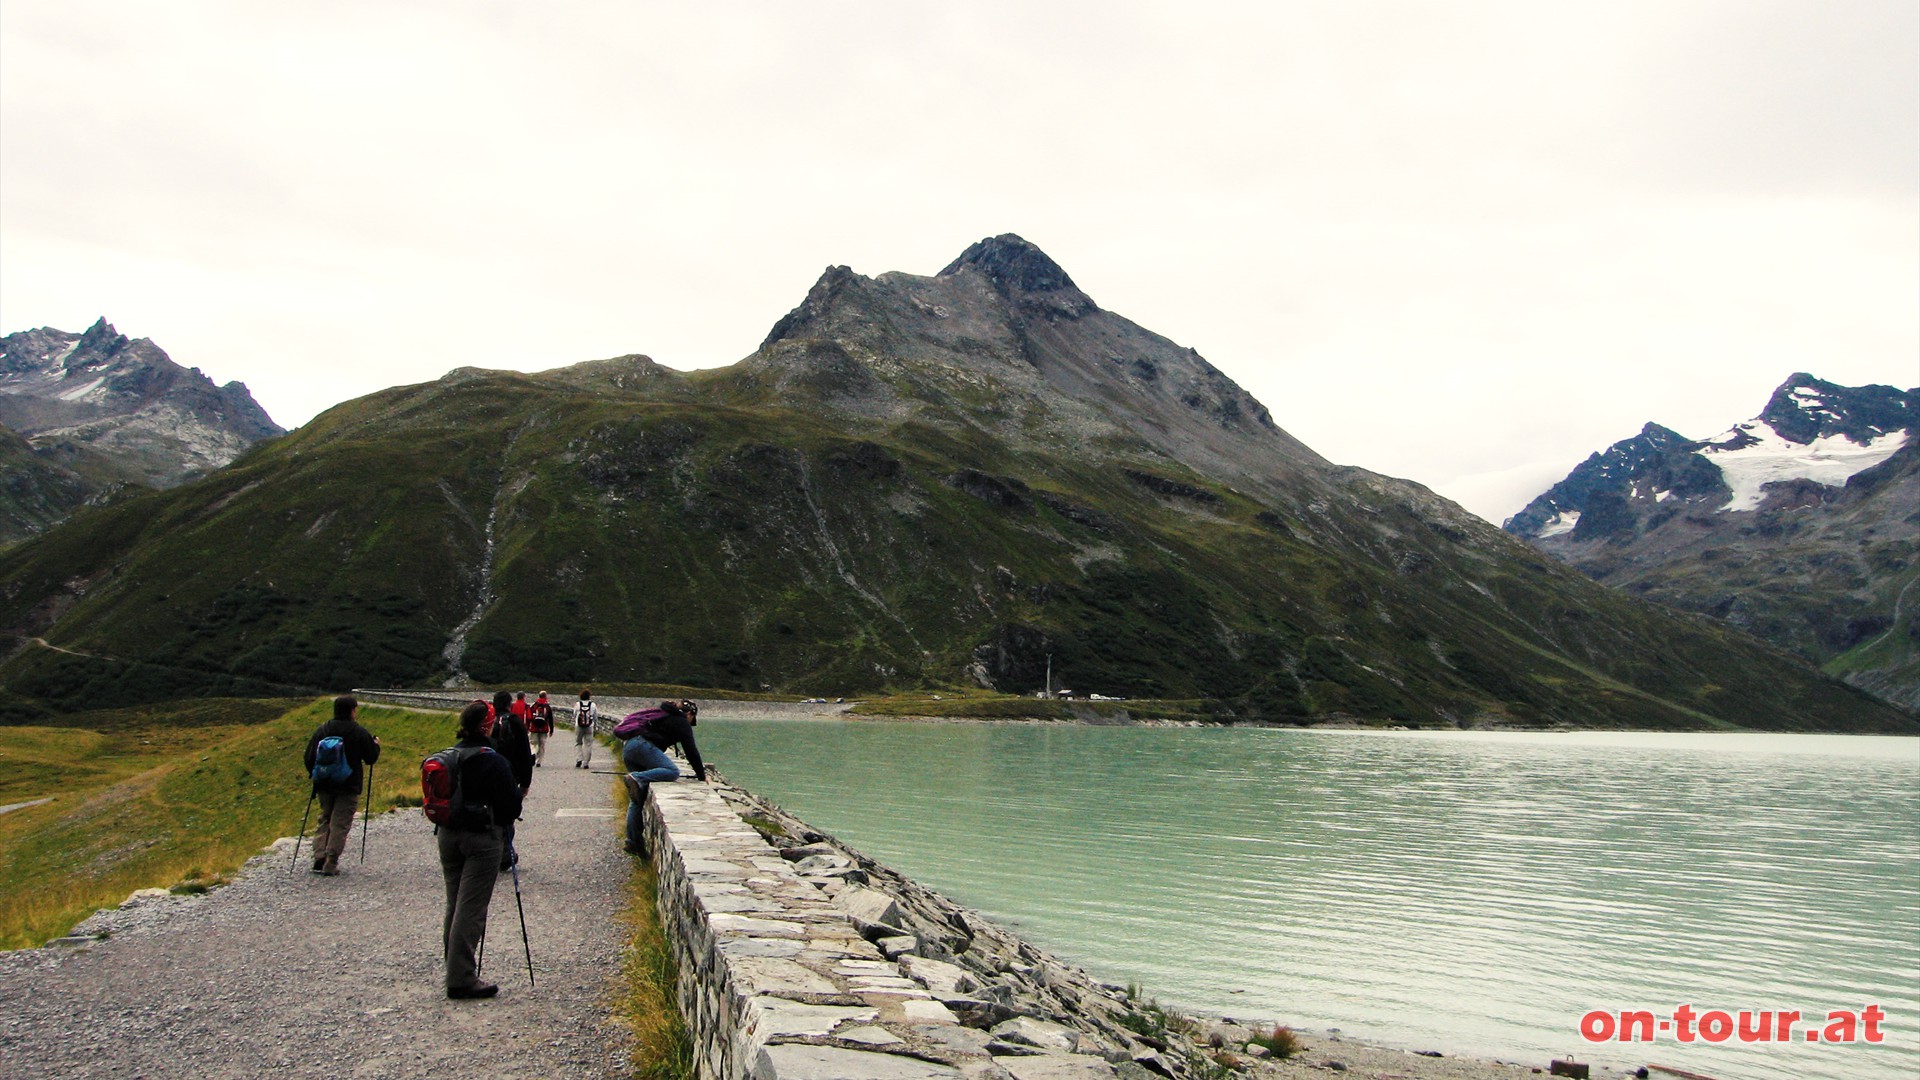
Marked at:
<point>749,548</point>
<point>165,797</point>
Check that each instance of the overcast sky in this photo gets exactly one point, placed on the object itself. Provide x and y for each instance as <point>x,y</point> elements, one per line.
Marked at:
<point>1463,243</point>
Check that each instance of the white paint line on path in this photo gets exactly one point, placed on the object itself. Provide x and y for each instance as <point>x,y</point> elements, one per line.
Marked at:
<point>10,807</point>
<point>585,811</point>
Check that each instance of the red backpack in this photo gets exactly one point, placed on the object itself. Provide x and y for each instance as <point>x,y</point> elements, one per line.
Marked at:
<point>440,795</point>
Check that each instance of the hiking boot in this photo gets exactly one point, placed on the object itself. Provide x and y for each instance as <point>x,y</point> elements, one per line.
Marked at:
<point>320,865</point>
<point>477,990</point>
<point>636,788</point>
<point>332,868</point>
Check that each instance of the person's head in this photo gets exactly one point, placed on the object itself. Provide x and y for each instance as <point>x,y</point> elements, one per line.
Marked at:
<point>502,702</point>
<point>586,694</point>
<point>521,696</point>
<point>543,695</point>
<point>476,720</point>
<point>692,711</point>
<point>344,706</point>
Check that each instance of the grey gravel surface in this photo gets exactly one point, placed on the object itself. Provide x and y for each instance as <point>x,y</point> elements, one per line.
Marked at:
<point>298,975</point>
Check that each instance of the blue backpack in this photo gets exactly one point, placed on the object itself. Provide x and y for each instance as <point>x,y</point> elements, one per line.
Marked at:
<point>330,764</point>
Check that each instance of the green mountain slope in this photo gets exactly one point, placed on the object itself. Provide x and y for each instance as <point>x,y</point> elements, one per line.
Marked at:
<point>914,481</point>
<point>34,492</point>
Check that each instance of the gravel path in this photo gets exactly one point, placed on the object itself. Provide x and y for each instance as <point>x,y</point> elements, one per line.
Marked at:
<point>297,975</point>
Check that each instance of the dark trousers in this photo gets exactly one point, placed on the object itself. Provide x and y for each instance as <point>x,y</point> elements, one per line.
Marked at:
<point>335,825</point>
<point>647,762</point>
<point>470,862</point>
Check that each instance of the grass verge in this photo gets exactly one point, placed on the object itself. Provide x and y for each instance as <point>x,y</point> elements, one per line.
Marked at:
<point>160,804</point>
<point>648,1005</point>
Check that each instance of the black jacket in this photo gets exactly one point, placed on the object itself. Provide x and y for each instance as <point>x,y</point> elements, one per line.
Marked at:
<point>510,738</point>
<point>673,729</point>
<point>487,780</point>
<point>361,751</point>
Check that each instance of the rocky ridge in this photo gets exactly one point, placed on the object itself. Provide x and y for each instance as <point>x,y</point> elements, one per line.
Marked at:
<point>1797,526</point>
<point>100,412</point>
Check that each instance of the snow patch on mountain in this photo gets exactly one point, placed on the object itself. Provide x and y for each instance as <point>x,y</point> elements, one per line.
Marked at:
<point>1562,523</point>
<point>81,392</point>
<point>1752,455</point>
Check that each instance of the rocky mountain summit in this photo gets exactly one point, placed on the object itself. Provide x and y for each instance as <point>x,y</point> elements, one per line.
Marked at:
<point>1003,341</point>
<point>99,411</point>
<point>1798,525</point>
<point>969,478</point>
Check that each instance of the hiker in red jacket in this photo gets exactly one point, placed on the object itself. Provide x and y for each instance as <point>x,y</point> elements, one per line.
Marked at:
<point>539,726</point>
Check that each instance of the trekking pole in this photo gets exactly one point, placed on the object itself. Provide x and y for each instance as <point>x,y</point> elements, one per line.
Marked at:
<point>366,816</point>
<point>524,943</point>
<point>303,831</point>
<point>480,954</point>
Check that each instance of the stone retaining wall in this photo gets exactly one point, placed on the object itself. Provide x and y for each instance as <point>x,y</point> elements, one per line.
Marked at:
<point>807,961</point>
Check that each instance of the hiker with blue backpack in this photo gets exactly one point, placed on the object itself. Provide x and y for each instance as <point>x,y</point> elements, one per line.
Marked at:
<point>339,755</point>
<point>649,734</point>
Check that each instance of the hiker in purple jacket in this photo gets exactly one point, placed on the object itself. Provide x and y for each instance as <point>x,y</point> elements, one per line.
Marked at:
<point>645,756</point>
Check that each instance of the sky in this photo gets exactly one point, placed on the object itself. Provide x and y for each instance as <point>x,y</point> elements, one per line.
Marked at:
<point>1466,244</point>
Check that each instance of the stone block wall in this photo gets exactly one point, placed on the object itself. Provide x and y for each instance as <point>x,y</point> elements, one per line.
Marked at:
<point>794,966</point>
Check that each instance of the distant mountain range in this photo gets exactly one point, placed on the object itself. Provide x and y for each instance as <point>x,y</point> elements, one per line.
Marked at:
<point>85,416</point>
<point>1801,526</point>
<point>957,479</point>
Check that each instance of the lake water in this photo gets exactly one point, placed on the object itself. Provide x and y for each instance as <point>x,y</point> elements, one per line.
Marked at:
<point>1470,893</point>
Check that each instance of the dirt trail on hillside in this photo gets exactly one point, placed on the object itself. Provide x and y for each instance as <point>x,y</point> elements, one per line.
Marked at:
<point>298,975</point>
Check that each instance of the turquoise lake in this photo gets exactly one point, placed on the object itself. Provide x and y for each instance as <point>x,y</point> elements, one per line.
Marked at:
<point>1471,893</point>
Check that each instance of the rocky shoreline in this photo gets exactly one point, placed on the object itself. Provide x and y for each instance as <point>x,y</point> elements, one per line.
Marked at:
<point>1009,978</point>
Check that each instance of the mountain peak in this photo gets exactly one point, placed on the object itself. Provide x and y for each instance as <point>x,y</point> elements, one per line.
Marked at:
<point>1805,408</point>
<point>1013,265</point>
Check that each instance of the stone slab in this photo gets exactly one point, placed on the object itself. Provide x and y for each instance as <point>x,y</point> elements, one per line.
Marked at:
<point>775,975</point>
<point>928,1012</point>
<point>751,927</point>
<point>776,1017</point>
<point>800,1061</point>
<point>759,946</point>
<point>1056,1067</point>
<point>872,1036</point>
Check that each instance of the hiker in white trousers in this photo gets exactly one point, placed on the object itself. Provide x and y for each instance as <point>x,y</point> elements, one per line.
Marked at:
<point>585,717</point>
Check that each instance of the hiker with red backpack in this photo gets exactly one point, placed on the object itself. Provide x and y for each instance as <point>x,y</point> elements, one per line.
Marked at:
<point>471,795</point>
<point>539,726</point>
<point>650,733</point>
<point>339,754</point>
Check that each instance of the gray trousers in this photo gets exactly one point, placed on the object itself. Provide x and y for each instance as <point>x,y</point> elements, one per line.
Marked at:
<point>583,745</point>
<point>335,825</point>
<point>470,862</point>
